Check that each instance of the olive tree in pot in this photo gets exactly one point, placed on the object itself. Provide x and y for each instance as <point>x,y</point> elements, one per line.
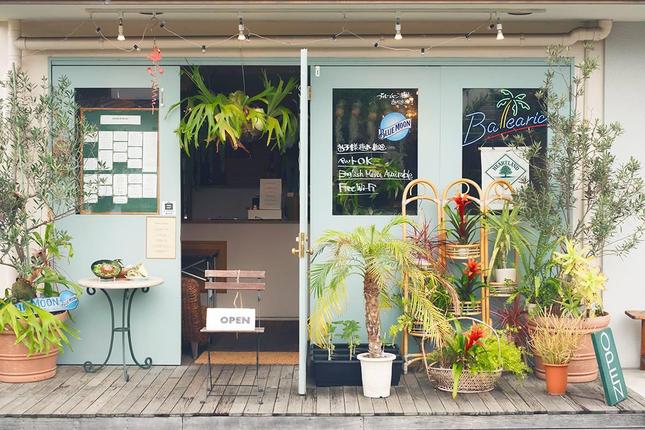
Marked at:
<point>39,184</point>
<point>580,192</point>
<point>378,258</point>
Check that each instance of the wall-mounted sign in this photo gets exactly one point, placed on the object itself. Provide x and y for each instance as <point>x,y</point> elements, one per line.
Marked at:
<point>374,149</point>
<point>120,161</point>
<point>611,374</point>
<point>230,319</point>
<point>493,118</point>
<point>66,301</point>
<point>161,237</point>
<point>503,163</point>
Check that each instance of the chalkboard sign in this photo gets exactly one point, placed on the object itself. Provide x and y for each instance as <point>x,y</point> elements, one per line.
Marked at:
<point>121,161</point>
<point>494,116</point>
<point>374,149</point>
<point>611,374</point>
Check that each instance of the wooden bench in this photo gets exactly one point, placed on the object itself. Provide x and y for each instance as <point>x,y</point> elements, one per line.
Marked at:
<point>639,315</point>
<point>222,281</point>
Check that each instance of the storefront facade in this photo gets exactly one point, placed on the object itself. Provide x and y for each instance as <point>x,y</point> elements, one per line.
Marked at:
<point>439,76</point>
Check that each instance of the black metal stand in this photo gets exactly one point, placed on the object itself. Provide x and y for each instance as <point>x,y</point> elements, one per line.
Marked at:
<point>128,295</point>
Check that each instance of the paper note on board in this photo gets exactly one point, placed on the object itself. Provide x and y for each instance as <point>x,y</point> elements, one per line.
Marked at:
<point>161,237</point>
<point>105,190</point>
<point>270,193</point>
<point>105,140</point>
<point>120,184</point>
<point>135,178</point>
<point>120,119</point>
<point>150,186</point>
<point>135,163</point>
<point>91,137</point>
<point>135,152</point>
<point>105,179</point>
<point>120,200</point>
<point>150,151</point>
<point>90,164</point>
<point>105,160</point>
<point>120,157</point>
<point>120,136</point>
<point>120,146</point>
<point>135,138</point>
<point>135,191</point>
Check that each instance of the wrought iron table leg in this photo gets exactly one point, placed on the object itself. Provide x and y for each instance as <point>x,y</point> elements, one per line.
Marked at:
<point>88,366</point>
<point>147,363</point>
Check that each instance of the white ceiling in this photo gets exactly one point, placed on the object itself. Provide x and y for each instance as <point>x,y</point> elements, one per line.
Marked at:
<point>375,10</point>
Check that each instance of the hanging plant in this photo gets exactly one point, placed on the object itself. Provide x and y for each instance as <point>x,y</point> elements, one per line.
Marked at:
<point>216,118</point>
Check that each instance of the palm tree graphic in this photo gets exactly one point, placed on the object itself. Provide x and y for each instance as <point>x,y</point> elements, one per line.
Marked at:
<point>511,102</point>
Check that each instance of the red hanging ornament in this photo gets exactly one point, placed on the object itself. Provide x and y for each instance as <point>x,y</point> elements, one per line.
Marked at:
<point>155,71</point>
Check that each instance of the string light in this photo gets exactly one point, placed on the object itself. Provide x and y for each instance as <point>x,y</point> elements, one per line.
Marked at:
<point>240,28</point>
<point>423,51</point>
<point>121,36</point>
<point>397,29</point>
<point>500,33</point>
<point>137,48</point>
<point>203,49</point>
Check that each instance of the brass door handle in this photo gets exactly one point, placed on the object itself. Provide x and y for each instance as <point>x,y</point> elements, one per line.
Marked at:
<point>295,252</point>
<point>301,251</point>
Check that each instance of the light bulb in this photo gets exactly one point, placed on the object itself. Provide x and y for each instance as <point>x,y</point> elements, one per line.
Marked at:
<point>121,36</point>
<point>203,49</point>
<point>397,30</point>
<point>240,28</point>
<point>500,33</point>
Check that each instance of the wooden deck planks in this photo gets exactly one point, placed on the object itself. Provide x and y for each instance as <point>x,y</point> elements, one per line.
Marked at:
<point>181,391</point>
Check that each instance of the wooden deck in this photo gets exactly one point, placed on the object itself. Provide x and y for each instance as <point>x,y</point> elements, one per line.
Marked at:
<point>78,400</point>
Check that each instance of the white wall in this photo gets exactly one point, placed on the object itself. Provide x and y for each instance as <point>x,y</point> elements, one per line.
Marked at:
<point>255,246</point>
<point>624,84</point>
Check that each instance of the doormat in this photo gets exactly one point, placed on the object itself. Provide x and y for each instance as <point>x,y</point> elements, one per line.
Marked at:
<point>248,357</point>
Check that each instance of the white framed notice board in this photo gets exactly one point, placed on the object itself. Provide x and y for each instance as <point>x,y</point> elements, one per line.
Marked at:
<point>121,161</point>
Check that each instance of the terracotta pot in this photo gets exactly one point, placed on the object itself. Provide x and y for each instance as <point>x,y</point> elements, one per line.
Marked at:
<point>17,366</point>
<point>556,379</point>
<point>583,366</point>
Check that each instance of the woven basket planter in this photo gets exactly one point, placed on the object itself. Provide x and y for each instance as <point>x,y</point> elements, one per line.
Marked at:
<point>467,308</point>
<point>502,289</point>
<point>463,252</point>
<point>468,383</point>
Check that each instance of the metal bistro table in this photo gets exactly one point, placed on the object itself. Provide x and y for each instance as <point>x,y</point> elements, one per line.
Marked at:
<point>129,288</point>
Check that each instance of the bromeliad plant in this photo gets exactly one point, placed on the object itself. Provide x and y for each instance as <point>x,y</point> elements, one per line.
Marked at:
<point>219,119</point>
<point>378,257</point>
<point>39,185</point>
<point>469,281</point>
<point>463,225</point>
<point>477,350</point>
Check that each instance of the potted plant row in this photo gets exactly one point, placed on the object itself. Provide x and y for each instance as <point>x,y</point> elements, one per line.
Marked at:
<point>39,185</point>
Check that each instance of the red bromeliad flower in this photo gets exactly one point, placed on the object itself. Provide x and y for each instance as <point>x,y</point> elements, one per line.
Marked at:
<point>474,335</point>
<point>461,201</point>
<point>473,268</point>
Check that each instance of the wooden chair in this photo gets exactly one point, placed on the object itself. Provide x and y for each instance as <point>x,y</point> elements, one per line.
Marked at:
<point>222,281</point>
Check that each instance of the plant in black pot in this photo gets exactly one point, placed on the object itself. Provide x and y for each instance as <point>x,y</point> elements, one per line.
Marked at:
<point>378,257</point>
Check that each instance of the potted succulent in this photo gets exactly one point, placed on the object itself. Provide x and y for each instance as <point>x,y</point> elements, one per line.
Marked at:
<point>466,284</point>
<point>462,228</point>
<point>472,360</point>
<point>555,339</point>
<point>39,184</point>
<point>225,118</point>
<point>506,226</point>
<point>378,258</point>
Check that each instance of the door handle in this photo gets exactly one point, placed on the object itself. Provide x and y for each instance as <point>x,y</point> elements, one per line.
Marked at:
<point>302,248</point>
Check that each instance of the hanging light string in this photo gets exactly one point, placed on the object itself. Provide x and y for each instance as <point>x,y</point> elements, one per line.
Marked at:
<point>149,25</point>
<point>202,46</point>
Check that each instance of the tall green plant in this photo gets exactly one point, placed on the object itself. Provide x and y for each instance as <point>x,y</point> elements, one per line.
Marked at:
<point>378,258</point>
<point>509,232</point>
<point>40,157</point>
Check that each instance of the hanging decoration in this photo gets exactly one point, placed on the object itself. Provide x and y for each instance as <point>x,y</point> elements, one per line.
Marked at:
<point>155,71</point>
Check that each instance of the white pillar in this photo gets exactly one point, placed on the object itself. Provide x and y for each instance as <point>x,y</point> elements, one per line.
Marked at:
<point>14,54</point>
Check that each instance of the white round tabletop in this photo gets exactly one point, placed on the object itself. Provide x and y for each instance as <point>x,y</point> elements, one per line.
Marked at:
<point>120,283</point>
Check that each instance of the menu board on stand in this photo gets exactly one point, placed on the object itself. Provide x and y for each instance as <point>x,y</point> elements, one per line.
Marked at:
<point>121,161</point>
<point>375,138</point>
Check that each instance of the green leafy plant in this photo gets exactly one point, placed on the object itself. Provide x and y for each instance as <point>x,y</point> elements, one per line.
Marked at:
<point>555,338</point>
<point>39,185</point>
<point>477,350</point>
<point>374,255</point>
<point>349,333</point>
<point>509,232</point>
<point>469,280</point>
<point>329,340</point>
<point>215,118</point>
<point>462,225</point>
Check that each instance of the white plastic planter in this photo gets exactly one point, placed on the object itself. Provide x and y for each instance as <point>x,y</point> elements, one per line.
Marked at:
<point>376,374</point>
<point>506,275</point>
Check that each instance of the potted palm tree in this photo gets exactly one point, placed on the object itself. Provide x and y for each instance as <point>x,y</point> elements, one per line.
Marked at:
<point>555,339</point>
<point>379,258</point>
<point>39,184</point>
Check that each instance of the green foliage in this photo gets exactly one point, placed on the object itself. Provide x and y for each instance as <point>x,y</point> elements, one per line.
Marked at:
<point>39,330</point>
<point>219,118</point>
<point>509,232</point>
<point>349,333</point>
<point>462,229</point>
<point>41,138</point>
<point>377,257</point>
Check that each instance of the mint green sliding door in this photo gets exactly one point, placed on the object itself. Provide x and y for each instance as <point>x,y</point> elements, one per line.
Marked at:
<point>156,315</point>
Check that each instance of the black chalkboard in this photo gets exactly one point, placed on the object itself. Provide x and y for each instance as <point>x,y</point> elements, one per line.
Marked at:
<point>375,138</point>
<point>494,116</point>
